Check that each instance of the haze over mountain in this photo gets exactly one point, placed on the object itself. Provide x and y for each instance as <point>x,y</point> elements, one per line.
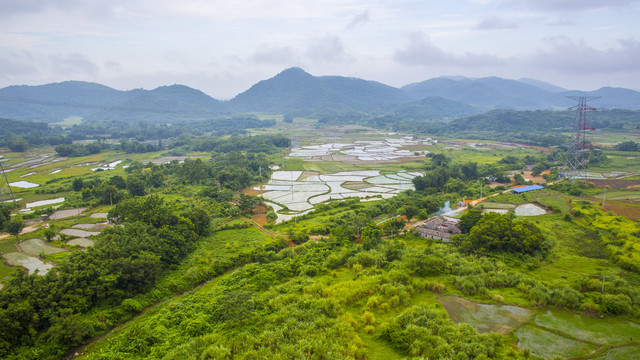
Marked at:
<point>294,91</point>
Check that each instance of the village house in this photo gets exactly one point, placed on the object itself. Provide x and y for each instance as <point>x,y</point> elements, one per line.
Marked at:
<point>439,228</point>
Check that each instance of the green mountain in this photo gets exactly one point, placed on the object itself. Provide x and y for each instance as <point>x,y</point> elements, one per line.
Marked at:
<point>295,91</point>
<point>435,108</point>
<point>486,93</point>
<point>57,101</point>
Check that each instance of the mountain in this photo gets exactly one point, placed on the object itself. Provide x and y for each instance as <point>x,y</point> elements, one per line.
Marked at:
<point>164,104</point>
<point>435,108</point>
<point>609,98</point>
<point>525,94</point>
<point>486,93</point>
<point>296,91</point>
<point>543,85</point>
<point>57,101</point>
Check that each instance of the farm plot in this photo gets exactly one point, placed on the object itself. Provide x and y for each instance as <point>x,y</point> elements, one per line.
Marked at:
<point>36,247</point>
<point>607,331</point>
<point>44,203</point>
<point>30,263</point>
<point>484,317</point>
<point>364,150</point>
<point>79,233</point>
<point>62,214</point>
<point>300,191</point>
<point>548,345</point>
<point>82,242</point>
<point>529,210</point>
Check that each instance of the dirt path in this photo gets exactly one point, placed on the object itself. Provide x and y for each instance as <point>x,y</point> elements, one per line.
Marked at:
<point>27,229</point>
<point>268,232</point>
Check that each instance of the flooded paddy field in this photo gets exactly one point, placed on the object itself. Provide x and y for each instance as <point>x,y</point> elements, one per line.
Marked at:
<point>299,191</point>
<point>550,333</point>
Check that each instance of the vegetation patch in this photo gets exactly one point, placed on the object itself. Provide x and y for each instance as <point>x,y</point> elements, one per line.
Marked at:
<point>606,331</point>
<point>485,318</point>
<point>547,345</point>
<point>36,247</point>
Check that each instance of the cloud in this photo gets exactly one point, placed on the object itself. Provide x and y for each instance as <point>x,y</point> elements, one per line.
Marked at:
<point>16,65</point>
<point>73,65</point>
<point>579,57</point>
<point>113,66</point>
<point>568,5</point>
<point>494,23</point>
<point>328,48</point>
<point>274,55</point>
<point>22,7</point>
<point>422,52</point>
<point>359,20</point>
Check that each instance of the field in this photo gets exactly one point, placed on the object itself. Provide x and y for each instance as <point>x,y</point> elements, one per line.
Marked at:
<point>242,289</point>
<point>485,317</point>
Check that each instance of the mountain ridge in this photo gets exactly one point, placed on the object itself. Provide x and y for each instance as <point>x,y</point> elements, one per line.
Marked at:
<point>294,91</point>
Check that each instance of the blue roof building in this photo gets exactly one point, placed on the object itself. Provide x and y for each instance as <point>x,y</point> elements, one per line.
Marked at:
<point>523,189</point>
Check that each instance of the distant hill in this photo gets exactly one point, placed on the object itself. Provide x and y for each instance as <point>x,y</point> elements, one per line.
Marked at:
<point>295,91</point>
<point>543,85</point>
<point>610,98</point>
<point>435,108</point>
<point>57,101</point>
<point>486,93</point>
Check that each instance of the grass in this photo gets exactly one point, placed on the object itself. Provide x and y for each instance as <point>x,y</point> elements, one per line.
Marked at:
<point>621,353</point>
<point>606,331</point>
<point>485,317</point>
<point>68,122</point>
<point>547,344</point>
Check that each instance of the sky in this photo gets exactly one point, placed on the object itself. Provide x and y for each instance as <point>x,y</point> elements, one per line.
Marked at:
<point>224,47</point>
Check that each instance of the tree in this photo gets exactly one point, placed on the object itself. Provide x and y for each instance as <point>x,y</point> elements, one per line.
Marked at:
<point>14,226</point>
<point>77,184</point>
<point>5,215</point>
<point>371,236</point>
<point>628,146</point>
<point>496,232</point>
<point>439,159</point>
<point>18,144</point>
<point>49,233</point>
<point>135,185</point>
<point>271,216</point>
<point>470,219</point>
<point>410,211</point>
<point>246,203</point>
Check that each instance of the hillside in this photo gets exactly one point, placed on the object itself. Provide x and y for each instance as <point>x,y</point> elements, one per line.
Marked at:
<point>55,102</point>
<point>294,90</point>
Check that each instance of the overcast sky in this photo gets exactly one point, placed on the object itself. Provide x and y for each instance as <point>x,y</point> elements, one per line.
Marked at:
<point>224,47</point>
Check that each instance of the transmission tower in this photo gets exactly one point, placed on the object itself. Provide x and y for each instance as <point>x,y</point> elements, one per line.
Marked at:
<point>5,189</point>
<point>575,158</point>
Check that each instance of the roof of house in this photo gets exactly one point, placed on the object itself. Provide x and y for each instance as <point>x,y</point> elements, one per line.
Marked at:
<point>522,189</point>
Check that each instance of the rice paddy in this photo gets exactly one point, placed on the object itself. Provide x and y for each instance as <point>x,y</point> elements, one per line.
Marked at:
<point>299,191</point>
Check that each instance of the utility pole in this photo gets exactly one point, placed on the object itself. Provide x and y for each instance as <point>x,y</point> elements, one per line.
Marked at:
<point>5,189</point>
<point>604,197</point>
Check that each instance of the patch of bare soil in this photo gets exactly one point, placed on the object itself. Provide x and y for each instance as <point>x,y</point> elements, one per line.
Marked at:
<point>615,183</point>
<point>629,211</point>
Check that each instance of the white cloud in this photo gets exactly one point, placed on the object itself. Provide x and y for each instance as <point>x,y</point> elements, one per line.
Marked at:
<point>421,51</point>
<point>327,48</point>
<point>494,23</point>
<point>568,5</point>
<point>359,20</point>
<point>73,65</point>
<point>566,55</point>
